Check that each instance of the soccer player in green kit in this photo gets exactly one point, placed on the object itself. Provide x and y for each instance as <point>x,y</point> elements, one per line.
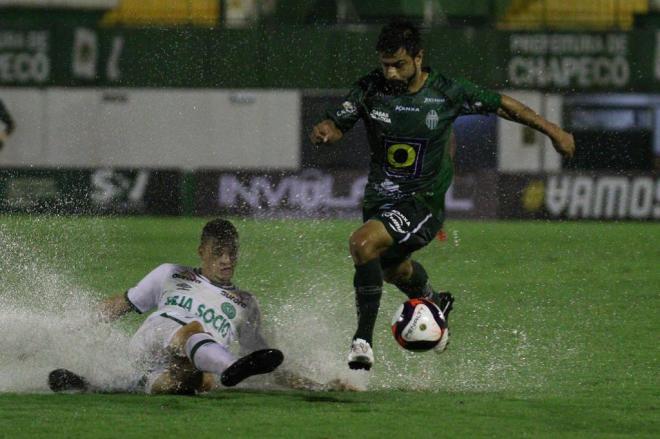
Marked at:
<point>408,111</point>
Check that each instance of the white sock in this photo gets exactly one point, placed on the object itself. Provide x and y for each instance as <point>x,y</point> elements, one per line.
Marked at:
<point>208,355</point>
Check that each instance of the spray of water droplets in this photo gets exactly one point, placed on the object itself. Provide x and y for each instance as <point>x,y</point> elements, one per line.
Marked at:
<point>50,322</point>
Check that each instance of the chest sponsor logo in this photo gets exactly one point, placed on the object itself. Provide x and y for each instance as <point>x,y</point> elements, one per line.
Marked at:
<point>407,109</point>
<point>432,120</point>
<point>404,157</point>
<point>434,100</point>
<point>380,115</point>
<point>210,316</point>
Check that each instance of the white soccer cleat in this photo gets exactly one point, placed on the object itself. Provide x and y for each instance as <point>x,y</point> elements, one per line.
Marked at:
<point>361,355</point>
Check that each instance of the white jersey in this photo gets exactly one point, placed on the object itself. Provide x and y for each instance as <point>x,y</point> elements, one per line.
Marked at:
<point>182,294</point>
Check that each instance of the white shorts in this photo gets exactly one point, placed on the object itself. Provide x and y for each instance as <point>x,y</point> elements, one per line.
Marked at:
<point>148,346</point>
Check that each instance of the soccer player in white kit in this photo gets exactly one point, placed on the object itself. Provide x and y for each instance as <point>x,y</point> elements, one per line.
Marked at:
<point>198,313</point>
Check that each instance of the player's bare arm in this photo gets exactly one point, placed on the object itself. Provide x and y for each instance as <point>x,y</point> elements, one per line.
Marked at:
<point>114,307</point>
<point>516,111</point>
<point>325,132</point>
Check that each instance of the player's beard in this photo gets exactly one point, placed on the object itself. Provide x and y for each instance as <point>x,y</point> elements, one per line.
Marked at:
<point>399,86</point>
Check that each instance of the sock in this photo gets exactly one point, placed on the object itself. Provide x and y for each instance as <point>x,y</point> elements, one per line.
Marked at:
<point>208,355</point>
<point>418,284</point>
<point>368,282</point>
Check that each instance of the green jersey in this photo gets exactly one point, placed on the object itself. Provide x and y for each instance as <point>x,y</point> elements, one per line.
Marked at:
<point>409,135</point>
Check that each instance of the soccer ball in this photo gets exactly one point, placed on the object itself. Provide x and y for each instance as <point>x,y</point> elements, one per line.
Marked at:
<point>419,325</point>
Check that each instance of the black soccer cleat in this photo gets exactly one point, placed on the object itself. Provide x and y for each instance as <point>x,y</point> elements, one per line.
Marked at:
<point>256,363</point>
<point>445,302</point>
<point>63,380</point>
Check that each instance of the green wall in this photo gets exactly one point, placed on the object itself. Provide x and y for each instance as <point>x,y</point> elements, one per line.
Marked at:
<point>298,56</point>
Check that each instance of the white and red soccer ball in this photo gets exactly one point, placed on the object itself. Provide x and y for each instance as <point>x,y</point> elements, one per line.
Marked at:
<point>419,325</point>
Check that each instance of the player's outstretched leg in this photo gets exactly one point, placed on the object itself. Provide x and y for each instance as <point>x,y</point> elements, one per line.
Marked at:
<point>368,284</point>
<point>256,363</point>
<point>63,380</point>
<point>209,356</point>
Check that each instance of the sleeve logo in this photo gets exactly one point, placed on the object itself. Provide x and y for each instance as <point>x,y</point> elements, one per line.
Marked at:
<point>348,107</point>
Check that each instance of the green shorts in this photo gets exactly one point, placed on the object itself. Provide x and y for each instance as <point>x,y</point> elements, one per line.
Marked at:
<point>410,223</point>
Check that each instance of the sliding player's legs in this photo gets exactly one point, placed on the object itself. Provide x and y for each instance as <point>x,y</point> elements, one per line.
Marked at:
<point>193,357</point>
<point>180,376</point>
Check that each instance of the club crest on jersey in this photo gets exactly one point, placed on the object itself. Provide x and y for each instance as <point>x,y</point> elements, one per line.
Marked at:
<point>380,115</point>
<point>432,120</point>
<point>228,309</point>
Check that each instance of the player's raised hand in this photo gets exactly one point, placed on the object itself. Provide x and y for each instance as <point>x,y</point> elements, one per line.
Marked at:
<point>564,143</point>
<point>325,132</point>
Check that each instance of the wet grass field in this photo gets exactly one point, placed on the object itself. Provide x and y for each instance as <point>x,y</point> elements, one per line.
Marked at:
<point>554,331</point>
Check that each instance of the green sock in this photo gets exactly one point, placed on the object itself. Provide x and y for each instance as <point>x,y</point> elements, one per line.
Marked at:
<point>368,282</point>
<point>418,284</point>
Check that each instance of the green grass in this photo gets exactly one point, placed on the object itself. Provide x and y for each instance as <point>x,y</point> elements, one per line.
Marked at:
<point>554,330</point>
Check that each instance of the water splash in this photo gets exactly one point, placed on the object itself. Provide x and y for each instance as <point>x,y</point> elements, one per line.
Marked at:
<point>315,330</point>
<point>50,322</point>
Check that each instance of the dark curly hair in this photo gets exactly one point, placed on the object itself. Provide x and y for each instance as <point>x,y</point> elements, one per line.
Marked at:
<point>397,34</point>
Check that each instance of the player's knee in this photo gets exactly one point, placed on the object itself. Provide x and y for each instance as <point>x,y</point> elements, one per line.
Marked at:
<point>183,334</point>
<point>189,330</point>
<point>362,247</point>
<point>193,327</point>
